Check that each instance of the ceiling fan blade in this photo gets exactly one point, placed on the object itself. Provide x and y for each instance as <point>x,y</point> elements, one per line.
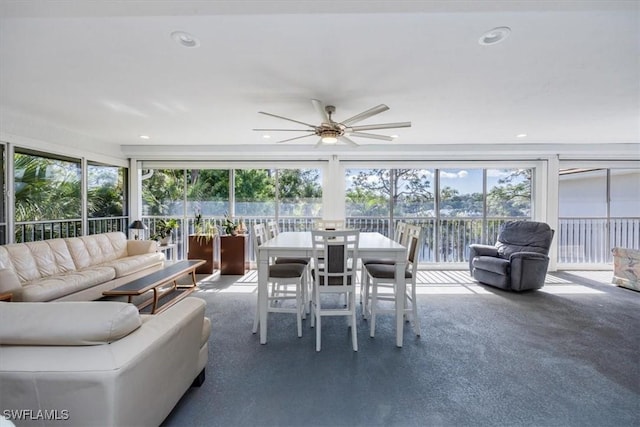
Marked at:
<point>292,139</point>
<point>318,144</point>
<point>348,140</point>
<point>285,118</point>
<point>319,106</point>
<point>284,130</point>
<point>366,114</point>
<point>380,126</point>
<point>371,135</point>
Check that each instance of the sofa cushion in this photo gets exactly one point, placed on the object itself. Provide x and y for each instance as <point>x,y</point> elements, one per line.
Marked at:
<point>133,264</point>
<point>66,323</point>
<point>23,262</point>
<point>49,288</point>
<point>97,249</point>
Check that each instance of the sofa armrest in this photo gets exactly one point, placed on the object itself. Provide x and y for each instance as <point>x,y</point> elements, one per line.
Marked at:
<point>480,250</point>
<point>9,281</point>
<point>139,247</point>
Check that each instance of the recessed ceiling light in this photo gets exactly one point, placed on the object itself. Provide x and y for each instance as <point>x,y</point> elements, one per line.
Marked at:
<point>395,136</point>
<point>494,36</point>
<point>145,137</point>
<point>185,39</point>
<point>266,136</point>
<point>521,135</point>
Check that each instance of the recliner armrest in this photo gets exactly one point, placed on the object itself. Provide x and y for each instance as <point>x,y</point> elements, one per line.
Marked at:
<point>480,250</point>
<point>483,250</point>
<point>527,255</point>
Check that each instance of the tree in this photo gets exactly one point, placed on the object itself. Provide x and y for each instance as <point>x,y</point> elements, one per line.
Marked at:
<point>372,189</point>
<point>46,188</point>
<point>513,196</point>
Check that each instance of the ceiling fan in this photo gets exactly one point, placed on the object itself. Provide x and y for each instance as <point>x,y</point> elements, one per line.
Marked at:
<point>332,132</point>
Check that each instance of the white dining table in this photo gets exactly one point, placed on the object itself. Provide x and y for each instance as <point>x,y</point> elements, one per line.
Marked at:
<point>298,244</point>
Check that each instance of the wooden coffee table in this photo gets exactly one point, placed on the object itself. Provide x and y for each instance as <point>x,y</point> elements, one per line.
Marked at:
<point>163,283</point>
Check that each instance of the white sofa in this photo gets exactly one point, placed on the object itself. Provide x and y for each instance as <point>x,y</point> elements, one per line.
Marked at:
<point>76,268</point>
<point>97,362</point>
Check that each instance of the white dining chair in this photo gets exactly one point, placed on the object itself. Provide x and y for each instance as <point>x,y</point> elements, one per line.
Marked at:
<point>335,255</point>
<point>381,281</point>
<point>273,229</point>
<point>400,236</point>
<point>282,277</point>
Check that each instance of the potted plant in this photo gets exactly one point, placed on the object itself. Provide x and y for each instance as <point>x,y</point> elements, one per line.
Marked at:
<point>164,230</point>
<point>229,226</point>
<point>201,244</point>
<point>232,247</point>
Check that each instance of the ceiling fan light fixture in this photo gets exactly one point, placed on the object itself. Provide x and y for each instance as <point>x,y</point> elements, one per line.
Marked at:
<point>329,136</point>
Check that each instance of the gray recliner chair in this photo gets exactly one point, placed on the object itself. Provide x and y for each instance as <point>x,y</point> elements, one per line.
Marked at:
<point>519,259</point>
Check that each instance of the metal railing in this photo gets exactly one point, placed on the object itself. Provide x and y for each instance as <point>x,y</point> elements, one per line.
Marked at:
<point>450,245</point>
<point>33,231</point>
<point>447,240</point>
<point>590,240</point>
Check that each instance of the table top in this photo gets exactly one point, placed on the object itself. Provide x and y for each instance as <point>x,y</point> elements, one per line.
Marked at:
<point>369,241</point>
<point>157,278</point>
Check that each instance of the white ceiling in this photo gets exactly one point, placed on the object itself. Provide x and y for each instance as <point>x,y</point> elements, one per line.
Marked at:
<point>569,73</point>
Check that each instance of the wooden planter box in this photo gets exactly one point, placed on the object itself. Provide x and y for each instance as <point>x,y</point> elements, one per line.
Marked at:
<point>202,250</point>
<point>232,254</point>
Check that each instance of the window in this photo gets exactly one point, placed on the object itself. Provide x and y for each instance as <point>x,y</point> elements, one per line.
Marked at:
<point>47,197</point>
<point>255,193</point>
<point>462,213</point>
<point>207,192</point>
<point>299,194</point>
<point>106,198</point>
<point>599,210</point>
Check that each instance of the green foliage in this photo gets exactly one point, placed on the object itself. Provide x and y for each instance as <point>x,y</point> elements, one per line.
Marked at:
<point>229,225</point>
<point>164,228</point>
<point>513,196</point>
<point>46,188</point>
<point>373,189</point>
<point>204,231</point>
<point>162,191</point>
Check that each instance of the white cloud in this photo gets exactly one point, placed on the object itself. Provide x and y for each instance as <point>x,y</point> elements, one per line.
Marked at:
<point>451,175</point>
<point>498,173</point>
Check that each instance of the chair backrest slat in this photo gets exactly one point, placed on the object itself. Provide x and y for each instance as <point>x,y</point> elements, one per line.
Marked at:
<point>272,229</point>
<point>335,254</point>
<point>413,241</point>
<point>259,237</point>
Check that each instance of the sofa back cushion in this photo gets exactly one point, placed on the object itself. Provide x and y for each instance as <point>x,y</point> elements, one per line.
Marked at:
<point>97,249</point>
<point>69,323</point>
<point>34,260</point>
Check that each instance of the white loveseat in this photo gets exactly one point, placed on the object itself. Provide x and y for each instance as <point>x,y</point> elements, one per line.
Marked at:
<point>97,362</point>
<point>76,268</point>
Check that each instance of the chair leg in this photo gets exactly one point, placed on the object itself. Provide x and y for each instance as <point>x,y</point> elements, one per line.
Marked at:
<point>354,328</point>
<point>318,317</point>
<point>365,290</point>
<point>256,319</point>
<point>373,304</point>
<point>414,307</point>
<point>313,306</point>
<point>299,308</point>
<point>318,320</point>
